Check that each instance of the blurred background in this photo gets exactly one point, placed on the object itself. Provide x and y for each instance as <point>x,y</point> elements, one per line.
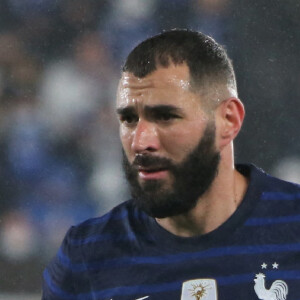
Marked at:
<point>59,147</point>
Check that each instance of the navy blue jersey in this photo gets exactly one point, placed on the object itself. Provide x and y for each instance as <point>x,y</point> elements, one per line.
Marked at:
<point>125,254</point>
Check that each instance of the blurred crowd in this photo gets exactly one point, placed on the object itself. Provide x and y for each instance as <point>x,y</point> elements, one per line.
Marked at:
<point>59,67</point>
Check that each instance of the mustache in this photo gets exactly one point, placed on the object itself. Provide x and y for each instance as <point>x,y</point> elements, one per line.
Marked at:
<point>147,161</point>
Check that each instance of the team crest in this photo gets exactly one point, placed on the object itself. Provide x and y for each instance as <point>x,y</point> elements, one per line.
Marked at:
<point>277,291</point>
<point>199,289</point>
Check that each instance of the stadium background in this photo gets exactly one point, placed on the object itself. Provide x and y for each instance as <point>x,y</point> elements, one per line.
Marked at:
<point>59,149</point>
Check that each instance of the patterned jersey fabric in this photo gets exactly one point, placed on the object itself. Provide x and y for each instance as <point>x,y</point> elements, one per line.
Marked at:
<point>125,254</point>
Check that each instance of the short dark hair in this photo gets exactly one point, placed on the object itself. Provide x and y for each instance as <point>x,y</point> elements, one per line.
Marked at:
<point>207,60</point>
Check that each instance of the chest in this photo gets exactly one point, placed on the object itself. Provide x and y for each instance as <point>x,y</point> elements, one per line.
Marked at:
<point>218,273</point>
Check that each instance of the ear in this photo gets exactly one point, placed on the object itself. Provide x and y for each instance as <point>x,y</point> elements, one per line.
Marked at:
<point>229,118</point>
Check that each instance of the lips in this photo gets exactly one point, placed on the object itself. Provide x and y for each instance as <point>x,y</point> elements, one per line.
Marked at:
<point>152,173</point>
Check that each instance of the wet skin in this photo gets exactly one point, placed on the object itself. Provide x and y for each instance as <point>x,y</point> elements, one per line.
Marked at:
<point>159,116</point>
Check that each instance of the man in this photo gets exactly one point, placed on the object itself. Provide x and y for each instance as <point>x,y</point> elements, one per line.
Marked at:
<point>198,227</point>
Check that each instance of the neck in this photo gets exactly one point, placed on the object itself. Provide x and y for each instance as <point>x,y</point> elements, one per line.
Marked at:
<point>214,207</point>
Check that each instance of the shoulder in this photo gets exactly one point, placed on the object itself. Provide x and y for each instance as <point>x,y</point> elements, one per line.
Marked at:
<point>111,235</point>
<point>279,187</point>
<point>281,190</point>
<point>93,240</point>
<point>266,182</point>
<point>270,196</point>
<point>114,221</point>
<point>96,236</point>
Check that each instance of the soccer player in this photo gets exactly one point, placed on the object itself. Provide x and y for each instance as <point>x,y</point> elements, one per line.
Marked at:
<point>198,226</point>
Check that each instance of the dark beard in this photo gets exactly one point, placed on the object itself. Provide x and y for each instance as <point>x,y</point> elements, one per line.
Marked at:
<point>191,179</point>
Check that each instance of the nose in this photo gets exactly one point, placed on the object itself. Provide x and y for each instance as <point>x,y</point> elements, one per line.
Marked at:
<point>145,137</point>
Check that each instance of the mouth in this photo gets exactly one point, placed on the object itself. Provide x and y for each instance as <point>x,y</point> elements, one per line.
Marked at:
<point>152,173</point>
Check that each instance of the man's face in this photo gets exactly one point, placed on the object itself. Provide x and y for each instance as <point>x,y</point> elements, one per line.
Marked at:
<point>168,140</point>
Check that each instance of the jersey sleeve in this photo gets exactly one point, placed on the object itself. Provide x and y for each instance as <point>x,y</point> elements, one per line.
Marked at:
<point>58,278</point>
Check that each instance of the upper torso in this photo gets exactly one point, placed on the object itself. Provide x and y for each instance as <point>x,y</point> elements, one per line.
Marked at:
<point>127,255</point>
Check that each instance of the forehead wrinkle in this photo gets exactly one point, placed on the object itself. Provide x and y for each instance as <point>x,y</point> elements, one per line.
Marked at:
<point>157,86</point>
<point>128,80</point>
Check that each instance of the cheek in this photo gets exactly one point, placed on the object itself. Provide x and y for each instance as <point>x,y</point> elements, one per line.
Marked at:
<point>126,139</point>
<point>181,140</point>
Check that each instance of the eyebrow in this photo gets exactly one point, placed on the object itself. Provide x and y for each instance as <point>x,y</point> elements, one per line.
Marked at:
<point>161,109</point>
<point>125,110</point>
<point>149,109</point>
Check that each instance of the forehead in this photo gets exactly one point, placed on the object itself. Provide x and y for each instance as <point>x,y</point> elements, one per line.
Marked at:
<point>169,85</point>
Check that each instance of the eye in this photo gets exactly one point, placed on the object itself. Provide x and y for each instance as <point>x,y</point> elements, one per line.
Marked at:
<point>129,119</point>
<point>166,117</point>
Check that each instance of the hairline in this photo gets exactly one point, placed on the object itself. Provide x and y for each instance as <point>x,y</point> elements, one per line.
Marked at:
<point>208,91</point>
